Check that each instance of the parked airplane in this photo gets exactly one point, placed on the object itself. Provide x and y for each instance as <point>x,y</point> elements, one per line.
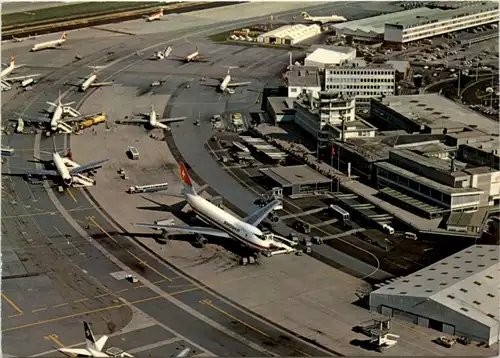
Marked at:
<point>50,44</point>
<point>90,81</point>
<point>67,172</point>
<point>93,347</point>
<point>156,16</point>
<point>5,82</point>
<point>323,19</point>
<point>194,57</point>
<point>226,225</point>
<point>225,84</point>
<point>160,55</point>
<point>21,39</point>
<point>56,123</point>
<point>152,120</point>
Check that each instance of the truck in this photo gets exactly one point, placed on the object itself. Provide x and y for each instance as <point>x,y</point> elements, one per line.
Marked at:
<point>237,122</point>
<point>151,188</point>
<point>134,153</point>
<point>99,118</point>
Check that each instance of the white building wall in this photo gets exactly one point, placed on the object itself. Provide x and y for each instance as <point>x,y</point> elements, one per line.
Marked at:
<point>294,91</point>
<point>361,83</point>
<point>393,33</point>
<point>362,133</point>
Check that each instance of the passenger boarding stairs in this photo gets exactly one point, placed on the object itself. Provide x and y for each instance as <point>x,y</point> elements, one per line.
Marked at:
<point>282,245</point>
<point>71,111</point>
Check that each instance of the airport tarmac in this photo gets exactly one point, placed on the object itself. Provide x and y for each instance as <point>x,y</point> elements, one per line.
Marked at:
<point>214,323</point>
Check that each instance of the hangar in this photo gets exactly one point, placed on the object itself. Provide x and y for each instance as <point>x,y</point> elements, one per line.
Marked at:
<point>457,295</point>
<point>289,34</point>
<point>297,179</point>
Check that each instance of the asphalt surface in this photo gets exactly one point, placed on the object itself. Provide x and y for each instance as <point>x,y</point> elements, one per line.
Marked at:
<point>213,323</point>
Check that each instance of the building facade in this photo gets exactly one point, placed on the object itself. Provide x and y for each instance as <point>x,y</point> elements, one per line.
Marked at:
<point>289,34</point>
<point>303,80</point>
<point>362,83</point>
<point>441,22</point>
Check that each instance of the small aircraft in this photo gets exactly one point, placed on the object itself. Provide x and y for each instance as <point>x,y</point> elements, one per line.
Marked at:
<point>21,39</point>
<point>160,55</point>
<point>93,348</point>
<point>65,171</point>
<point>156,16</point>
<point>56,123</point>
<point>152,120</point>
<point>50,44</point>
<point>6,82</point>
<point>225,84</point>
<point>90,81</point>
<point>323,19</point>
<point>194,57</point>
<point>223,224</point>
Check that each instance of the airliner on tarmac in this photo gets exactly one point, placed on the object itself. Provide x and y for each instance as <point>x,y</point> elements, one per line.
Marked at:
<point>56,123</point>
<point>50,44</point>
<point>156,16</point>
<point>225,225</point>
<point>226,84</point>
<point>160,55</point>
<point>323,19</point>
<point>194,57</point>
<point>6,82</point>
<point>67,172</point>
<point>93,347</point>
<point>90,81</point>
<point>152,120</point>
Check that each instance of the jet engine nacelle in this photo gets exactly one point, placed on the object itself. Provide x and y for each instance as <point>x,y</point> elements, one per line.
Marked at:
<point>68,181</point>
<point>201,240</point>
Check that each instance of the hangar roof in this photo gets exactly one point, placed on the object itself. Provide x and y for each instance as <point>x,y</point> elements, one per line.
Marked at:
<point>466,282</point>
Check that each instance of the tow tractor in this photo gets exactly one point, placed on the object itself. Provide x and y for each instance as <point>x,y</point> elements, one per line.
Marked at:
<point>281,244</point>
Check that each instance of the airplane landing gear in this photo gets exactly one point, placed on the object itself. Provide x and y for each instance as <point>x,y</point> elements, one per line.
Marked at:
<point>252,259</point>
<point>48,133</point>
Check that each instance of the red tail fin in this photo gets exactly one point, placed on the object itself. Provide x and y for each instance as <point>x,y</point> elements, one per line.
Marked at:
<point>64,36</point>
<point>185,176</point>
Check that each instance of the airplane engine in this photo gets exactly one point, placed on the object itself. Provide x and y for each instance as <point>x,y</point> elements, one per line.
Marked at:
<point>68,181</point>
<point>273,217</point>
<point>200,239</point>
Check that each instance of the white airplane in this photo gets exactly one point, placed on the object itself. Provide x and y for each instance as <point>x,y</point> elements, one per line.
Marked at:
<point>5,81</point>
<point>160,55</point>
<point>65,170</point>
<point>225,84</point>
<point>152,120</point>
<point>50,44</point>
<point>56,123</point>
<point>226,225</point>
<point>93,347</point>
<point>21,39</point>
<point>90,81</point>
<point>194,57</point>
<point>156,16</point>
<point>323,19</point>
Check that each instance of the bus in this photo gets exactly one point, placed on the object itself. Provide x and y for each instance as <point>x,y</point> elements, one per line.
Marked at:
<point>147,188</point>
<point>339,211</point>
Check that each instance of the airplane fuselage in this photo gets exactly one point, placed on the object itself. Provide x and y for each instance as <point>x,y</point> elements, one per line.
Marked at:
<point>62,169</point>
<point>326,19</point>
<point>247,234</point>
<point>153,122</point>
<point>48,44</point>
<point>193,56</point>
<point>225,82</point>
<point>88,82</point>
<point>7,70</point>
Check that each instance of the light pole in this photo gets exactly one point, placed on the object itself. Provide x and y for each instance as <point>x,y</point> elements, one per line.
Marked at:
<point>342,140</point>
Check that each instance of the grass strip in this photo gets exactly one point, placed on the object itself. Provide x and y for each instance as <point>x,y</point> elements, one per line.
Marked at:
<point>71,11</point>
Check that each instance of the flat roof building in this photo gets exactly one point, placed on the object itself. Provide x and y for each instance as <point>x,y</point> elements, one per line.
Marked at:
<point>290,34</point>
<point>303,80</point>
<point>429,113</point>
<point>457,295</point>
<point>438,22</point>
<point>322,57</point>
<point>298,179</point>
<point>280,109</point>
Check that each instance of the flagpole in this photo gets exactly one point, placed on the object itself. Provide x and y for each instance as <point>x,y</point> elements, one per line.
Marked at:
<point>331,165</point>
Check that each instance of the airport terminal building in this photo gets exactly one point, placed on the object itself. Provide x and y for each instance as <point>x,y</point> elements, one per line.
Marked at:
<point>297,180</point>
<point>457,296</point>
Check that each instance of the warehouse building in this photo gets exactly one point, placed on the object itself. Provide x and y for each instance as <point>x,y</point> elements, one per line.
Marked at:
<point>457,296</point>
<point>361,81</point>
<point>324,56</point>
<point>290,34</point>
<point>297,180</point>
<point>438,22</point>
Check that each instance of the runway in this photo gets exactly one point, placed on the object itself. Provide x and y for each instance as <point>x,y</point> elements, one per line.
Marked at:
<point>63,276</point>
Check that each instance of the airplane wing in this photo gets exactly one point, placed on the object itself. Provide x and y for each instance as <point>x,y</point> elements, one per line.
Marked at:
<point>257,217</point>
<point>99,84</point>
<point>187,229</point>
<point>33,171</point>
<point>20,78</point>
<point>200,60</point>
<point>132,121</point>
<point>172,120</point>
<point>236,84</point>
<point>30,119</point>
<point>101,342</point>
<point>87,167</point>
<point>76,351</point>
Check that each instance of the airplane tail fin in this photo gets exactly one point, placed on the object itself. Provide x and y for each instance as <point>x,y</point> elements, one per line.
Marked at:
<point>305,15</point>
<point>89,336</point>
<point>64,36</point>
<point>161,11</point>
<point>12,60</point>
<point>187,185</point>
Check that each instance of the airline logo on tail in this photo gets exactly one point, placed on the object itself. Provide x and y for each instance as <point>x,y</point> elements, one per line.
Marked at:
<point>306,15</point>
<point>64,36</point>
<point>89,336</point>
<point>185,176</point>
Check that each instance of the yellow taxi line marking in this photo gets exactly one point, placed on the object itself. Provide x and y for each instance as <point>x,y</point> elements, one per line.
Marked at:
<point>81,300</point>
<point>60,305</point>
<point>210,304</point>
<point>72,195</point>
<point>149,266</point>
<point>19,311</point>
<point>43,213</point>
<point>100,228</point>
<point>39,309</point>
<point>54,338</point>
<point>123,290</point>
